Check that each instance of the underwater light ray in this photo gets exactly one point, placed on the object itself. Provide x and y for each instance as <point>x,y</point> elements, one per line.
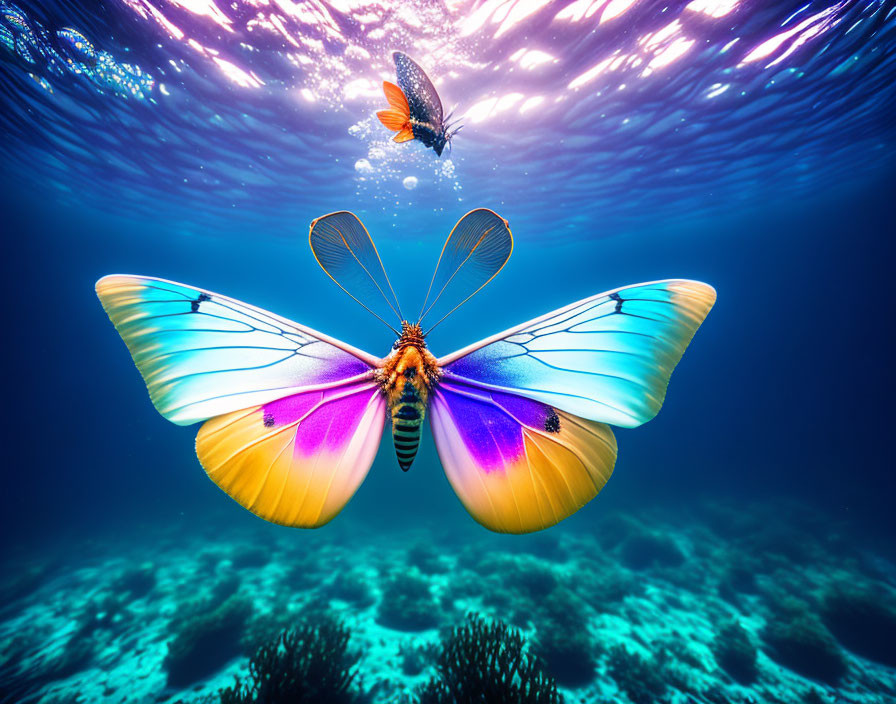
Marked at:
<point>227,105</point>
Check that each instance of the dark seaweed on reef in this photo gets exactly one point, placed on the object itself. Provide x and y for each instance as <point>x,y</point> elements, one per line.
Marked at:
<point>797,639</point>
<point>263,626</point>
<point>642,680</point>
<point>735,653</point>
<point>310,664</point>
<point>737,581</point>
<point>489,662</point>
<point>606,588</point>
<point>863,620</point>
<point>208,636</point>
<point>415,658</point>
<point>407,604</point>
<point>426,559</point>
<point>136,582</point>
<point>22,683</point>
<point>351,587</point>
<point>563,640</point>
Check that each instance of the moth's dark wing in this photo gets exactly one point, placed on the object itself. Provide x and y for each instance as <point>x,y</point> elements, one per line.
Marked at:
<point>421,93</point>
<point>425,134</point>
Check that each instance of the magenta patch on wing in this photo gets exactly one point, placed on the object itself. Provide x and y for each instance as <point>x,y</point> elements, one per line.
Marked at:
<point>327,419</point>
<point>285,411</point>
<point>490,423</point>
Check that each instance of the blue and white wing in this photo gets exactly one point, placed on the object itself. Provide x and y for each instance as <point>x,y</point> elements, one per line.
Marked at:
<point>202,354</point>
<point>607,358</point>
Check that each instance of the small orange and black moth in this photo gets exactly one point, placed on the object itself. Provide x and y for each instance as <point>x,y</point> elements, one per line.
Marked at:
<point>415,110</point>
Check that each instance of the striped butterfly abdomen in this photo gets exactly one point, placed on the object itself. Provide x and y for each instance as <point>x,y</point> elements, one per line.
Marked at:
<point>407,420</point>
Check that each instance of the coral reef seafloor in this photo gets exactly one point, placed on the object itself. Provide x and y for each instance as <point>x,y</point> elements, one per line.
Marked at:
<point>728,605</point>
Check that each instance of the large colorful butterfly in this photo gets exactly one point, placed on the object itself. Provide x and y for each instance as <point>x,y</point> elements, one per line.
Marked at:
<point>293,418</point>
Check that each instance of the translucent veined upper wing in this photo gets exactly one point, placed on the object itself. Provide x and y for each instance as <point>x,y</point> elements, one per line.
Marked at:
<point>607,358</point>
<point>423,99</point>
<point>202,354</point>
<point>476,250</point>
<point>345,251</point>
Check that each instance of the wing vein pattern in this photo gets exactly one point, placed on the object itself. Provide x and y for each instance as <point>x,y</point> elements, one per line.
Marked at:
<point>477,248</point>
<point>637,336</point>
<point>517,465</point>
<point>202,354</point>
<point>294,418</point>
<point>345,251</point>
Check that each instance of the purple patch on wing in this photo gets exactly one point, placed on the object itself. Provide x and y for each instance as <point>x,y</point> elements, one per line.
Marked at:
<point>482,365</point>
<point>528,412</point>
<point>490,423</point>
<point>327,419</point>
<point>335,363</point>
<point>288,410</point>
<point>333,424</point>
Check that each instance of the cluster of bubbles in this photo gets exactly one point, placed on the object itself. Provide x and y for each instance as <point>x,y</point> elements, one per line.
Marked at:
<point>67,52</point>
<point>388,164</point>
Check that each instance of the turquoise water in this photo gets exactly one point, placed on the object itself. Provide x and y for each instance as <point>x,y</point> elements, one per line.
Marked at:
<point>742,551</point>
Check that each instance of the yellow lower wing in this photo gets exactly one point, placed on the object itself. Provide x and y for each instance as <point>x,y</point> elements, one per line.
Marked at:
<point>296,461</point>
<point>518,465</point>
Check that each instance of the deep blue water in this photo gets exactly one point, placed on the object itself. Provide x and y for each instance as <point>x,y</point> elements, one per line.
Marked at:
<point>778,191</point>
<point>783,391</point>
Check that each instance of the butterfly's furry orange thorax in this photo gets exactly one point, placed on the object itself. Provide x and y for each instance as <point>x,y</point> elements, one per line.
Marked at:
<point>406,378</point>
<point>411,368</point>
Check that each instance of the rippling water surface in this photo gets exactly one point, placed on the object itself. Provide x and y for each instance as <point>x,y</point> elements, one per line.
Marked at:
<point>584,111</point>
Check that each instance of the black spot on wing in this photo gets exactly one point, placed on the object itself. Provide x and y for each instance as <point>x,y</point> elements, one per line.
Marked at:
<point>552,422</point>
<point>268,420</point>
<point>194,305</point>
<point>616,297</point>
